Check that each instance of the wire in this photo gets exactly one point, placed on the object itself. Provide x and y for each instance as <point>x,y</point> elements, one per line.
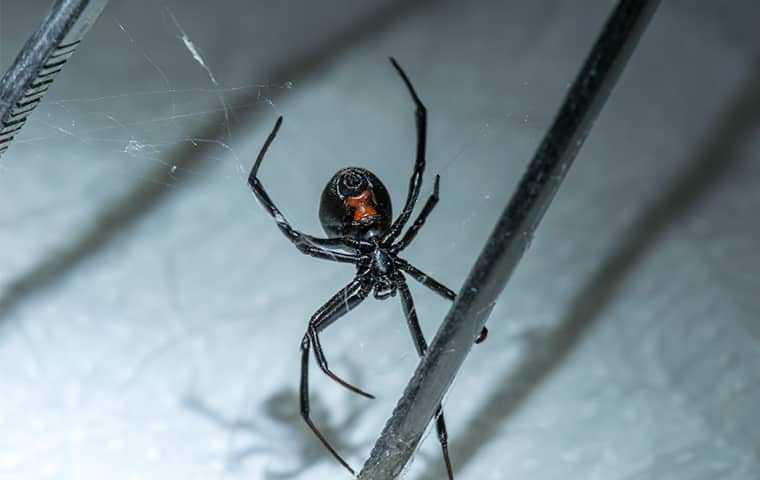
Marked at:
<point>46,52</point>
<point>509,240</point>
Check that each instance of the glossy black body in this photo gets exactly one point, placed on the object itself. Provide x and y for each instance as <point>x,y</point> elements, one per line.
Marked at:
<point>334,216</point>
<point>370,240</point>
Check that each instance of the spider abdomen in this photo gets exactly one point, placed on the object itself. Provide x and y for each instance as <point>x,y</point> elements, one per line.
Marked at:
<point>356,204</point>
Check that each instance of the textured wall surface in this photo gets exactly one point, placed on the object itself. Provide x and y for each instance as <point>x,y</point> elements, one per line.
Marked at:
<point>151,313</point>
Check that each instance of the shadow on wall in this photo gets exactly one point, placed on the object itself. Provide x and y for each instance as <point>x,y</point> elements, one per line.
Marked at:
<point>277,432</point>
<point>281,435</point>
<point>550,349</point>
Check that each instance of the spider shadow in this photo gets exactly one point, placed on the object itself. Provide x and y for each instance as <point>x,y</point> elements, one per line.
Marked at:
<point>279,432</point>
<point>190,159</point>
<point>548,350</point>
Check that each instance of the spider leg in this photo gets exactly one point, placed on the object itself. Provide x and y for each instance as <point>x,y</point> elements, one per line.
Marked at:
<point>435,286</point>
<point>340,304</point>
<point>417,225</point>
<point>426,280</point>
<point>305,405</point>
<point>421,345</point>
<point>325,248</point>
<point>415,182</point>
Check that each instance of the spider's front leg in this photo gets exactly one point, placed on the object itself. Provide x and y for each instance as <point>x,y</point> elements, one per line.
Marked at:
<point>325,248</point>
<point>421,345</point>
<point>437,287</point>
<point>341,303</point>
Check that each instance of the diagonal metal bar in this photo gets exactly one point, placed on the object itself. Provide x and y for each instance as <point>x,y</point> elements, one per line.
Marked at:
<point>509,240</point>
<point>46,52</point>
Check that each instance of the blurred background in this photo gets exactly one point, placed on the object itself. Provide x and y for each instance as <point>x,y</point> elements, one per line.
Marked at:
<point>151,313</point>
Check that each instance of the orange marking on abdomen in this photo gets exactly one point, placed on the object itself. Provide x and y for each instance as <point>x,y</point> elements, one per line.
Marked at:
<point>362,206</point>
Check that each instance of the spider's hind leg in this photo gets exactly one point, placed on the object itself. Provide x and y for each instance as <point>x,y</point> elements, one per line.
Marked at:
<point>415,182</point>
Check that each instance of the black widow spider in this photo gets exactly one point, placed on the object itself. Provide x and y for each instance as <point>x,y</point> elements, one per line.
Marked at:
<point>355,212</point>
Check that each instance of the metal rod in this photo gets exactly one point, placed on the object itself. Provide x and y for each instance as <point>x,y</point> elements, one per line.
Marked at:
<point>24,85</point>
<point>509,240</point>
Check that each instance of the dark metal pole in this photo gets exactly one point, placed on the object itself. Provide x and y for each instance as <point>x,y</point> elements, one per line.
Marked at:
<point>43,56</point>
<point>509,240</point>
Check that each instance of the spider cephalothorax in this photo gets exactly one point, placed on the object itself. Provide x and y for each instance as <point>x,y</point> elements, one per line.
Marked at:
<point>355,211</point>
<point>355,203</point>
